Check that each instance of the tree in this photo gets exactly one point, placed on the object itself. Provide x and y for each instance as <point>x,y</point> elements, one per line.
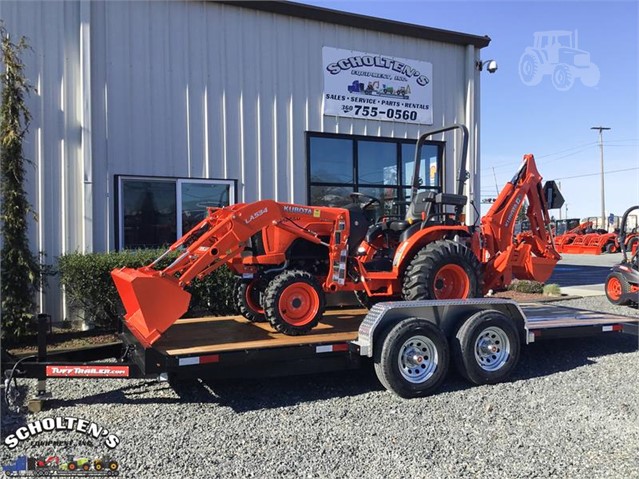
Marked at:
<point>21,271</point>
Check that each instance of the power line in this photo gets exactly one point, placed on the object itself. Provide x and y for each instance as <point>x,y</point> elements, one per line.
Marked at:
<point>582,147</point>
<point>596,174</point>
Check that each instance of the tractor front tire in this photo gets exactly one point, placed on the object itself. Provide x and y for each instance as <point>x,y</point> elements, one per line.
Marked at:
<point>294,302</point>
<point>248,299</point>
<point>616,288</point>
<point>442,270</point>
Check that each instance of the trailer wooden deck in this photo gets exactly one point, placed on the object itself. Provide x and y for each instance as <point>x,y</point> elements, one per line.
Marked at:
<point>216,334</point>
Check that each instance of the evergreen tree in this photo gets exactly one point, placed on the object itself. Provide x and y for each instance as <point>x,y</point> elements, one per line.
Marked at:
<point>20,271</point>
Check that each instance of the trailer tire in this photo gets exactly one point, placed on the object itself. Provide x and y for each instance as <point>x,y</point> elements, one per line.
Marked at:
<point>617,287</point>
<point>294,302</point>
<point>248,298</point>
<point>443,269</point>
<point>98,466</point>
<point>486,347</point>
<point>412,358</point>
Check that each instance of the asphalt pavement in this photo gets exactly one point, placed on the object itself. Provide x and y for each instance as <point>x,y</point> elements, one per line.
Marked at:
<point>583,274</point>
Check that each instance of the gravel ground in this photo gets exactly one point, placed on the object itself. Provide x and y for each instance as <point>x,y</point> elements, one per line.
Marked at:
<point>571,410</point>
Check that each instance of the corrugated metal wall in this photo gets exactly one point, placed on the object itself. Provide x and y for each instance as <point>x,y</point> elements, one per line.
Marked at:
<point>188,89</point>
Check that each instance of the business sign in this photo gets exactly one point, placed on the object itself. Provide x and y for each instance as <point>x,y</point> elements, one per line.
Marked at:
<point>377,87</point>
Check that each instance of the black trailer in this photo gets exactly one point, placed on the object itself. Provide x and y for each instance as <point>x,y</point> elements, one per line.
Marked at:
<point>411,344</point>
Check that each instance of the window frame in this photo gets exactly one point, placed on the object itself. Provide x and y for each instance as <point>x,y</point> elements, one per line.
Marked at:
<point>355,139</point>
<point>178,181</point>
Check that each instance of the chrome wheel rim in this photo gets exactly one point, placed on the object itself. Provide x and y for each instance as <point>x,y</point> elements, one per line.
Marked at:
<point>418,359</point>
<point>492,349</point>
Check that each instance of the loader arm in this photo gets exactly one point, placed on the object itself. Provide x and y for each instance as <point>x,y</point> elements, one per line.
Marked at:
<point>532,255</point>
<point>155,298</point>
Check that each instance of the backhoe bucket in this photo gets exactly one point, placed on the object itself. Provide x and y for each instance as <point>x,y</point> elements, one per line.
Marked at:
<point>535,269</point>
<point>152,303</point>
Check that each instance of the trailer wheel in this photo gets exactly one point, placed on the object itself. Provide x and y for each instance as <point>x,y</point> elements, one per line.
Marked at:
<point>248,298</point>
<point>442,270</point>
<point>98,466</point>
<point>113,466</point>
<point>412,358</point>
<point>616,287</point>
<point>486,347</point>
<point>294,302</point>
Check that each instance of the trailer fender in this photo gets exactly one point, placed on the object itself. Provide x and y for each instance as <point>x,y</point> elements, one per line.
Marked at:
<point>447,315</point>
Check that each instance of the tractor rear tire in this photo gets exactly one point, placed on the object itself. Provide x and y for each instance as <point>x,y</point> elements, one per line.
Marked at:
<point>294,302</point>
<point>248,297</point>
<point>442,270</point>
<point>616,288</point>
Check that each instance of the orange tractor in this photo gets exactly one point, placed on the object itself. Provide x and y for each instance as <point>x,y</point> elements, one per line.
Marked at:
<point>585,240</point>
<point>289,257</point>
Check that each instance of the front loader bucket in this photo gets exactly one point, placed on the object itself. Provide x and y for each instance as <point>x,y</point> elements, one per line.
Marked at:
<point>152,303</point>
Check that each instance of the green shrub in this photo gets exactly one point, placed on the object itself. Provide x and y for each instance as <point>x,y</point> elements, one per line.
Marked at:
<point>526,286</point>
<point>552,290</point>
<point>91,292</point>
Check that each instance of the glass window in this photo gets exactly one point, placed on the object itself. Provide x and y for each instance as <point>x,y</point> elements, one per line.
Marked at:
<point>377,163</point>
<point>429,176</point>
<point>149,208</point>
<point>332,160</point>
<point>384,169</point>
<point>196,198</point>
<point>330,195</point>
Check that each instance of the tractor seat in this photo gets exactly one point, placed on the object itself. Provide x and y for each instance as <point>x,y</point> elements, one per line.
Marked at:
<point>358,227</point>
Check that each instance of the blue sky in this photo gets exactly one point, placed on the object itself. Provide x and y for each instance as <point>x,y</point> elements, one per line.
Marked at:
<point>553,125</point>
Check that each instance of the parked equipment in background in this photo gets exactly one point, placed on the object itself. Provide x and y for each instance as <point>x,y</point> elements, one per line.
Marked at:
<point>622,284</point>
<point>585,240</point>
<point>290,256</point>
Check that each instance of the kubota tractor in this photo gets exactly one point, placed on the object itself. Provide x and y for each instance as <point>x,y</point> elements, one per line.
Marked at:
<point>288,257</point>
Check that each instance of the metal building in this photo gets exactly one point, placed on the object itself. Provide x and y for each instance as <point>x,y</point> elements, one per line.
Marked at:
<point>146,112</point>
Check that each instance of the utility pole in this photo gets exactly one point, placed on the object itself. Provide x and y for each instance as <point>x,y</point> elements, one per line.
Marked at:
<point>603,200</point>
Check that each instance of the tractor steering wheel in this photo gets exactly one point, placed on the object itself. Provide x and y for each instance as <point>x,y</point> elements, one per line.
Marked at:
<point>358,197</point>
